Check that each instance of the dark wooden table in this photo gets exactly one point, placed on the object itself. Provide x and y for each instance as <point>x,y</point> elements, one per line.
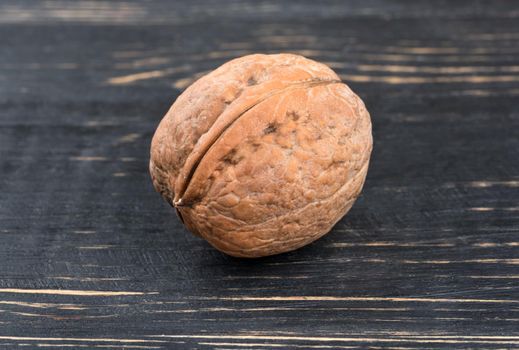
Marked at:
<point>91,257</point>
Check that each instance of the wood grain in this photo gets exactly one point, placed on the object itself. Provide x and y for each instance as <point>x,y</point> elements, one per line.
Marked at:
<point>91,257</point>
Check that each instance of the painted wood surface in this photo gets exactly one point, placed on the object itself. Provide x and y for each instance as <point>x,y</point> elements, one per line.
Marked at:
<point>91,257</point>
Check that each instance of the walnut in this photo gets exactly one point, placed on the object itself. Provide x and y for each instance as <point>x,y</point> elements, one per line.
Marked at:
<point>263,155</point>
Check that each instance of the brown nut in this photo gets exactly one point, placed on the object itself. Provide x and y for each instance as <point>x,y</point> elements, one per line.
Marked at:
<point>263,155</point>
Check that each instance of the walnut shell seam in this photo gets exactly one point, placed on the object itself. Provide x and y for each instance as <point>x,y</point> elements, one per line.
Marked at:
<point>195,159</point>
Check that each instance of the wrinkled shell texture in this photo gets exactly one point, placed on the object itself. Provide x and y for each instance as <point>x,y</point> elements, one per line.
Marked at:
<point>264,154</point>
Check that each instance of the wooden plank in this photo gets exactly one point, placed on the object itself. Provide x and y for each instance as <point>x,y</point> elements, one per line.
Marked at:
<point>91,257</point>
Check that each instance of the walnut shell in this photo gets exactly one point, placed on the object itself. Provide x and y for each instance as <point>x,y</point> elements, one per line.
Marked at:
<point>263,155</point>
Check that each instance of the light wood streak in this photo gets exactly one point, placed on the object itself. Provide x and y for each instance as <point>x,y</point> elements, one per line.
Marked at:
<point>104,346</point>
<point>88,158</point>
<point>185,82</point>
<point>484,93</point>
<point>131,78</point>
<point>43,305</point>
<point>276,345</point>
<point>262,309</point>
<point>97,247</point>
<point>494,277</point>
<point>479,261</point>
<point>390,244</point>
<point>128,138</point>
<point>395,80</point>
<point>72,292</point>
<point>468,51</point>
<point>492,209</point>
<point>88,279</point>
<point>408,339</point>
<point>493,245</point>
<point>486,184</point>
<point>414,58</point>
<point>424,69</point>
<point>390,299</point>
<point>90,340</point>
<point>144,62</point>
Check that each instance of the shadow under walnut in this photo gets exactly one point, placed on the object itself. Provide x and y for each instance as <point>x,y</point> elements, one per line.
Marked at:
<point>263,155</point>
